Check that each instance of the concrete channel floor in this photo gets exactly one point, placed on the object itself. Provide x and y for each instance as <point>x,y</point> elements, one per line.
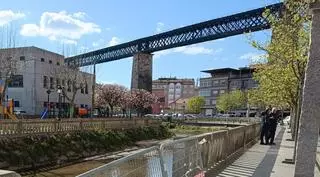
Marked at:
<point>265,160</point>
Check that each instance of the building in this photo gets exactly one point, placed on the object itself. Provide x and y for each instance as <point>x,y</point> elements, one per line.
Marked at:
<point>170,90</point>
<point>37,71</point>
<point>224,80</point>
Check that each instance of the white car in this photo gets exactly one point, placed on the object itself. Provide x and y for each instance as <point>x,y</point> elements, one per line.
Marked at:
<point>19,112</point>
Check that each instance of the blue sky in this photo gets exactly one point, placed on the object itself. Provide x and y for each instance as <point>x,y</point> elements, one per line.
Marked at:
<point>82,25</point>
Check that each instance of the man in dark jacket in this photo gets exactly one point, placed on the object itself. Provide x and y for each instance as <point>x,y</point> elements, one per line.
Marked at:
<point>273,122</point>
<point>265,115</point>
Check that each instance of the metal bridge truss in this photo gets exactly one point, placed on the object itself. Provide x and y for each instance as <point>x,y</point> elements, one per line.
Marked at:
<point>240,23</point>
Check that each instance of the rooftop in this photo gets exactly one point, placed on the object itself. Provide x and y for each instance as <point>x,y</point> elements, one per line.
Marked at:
<point>31,47</point>
<point>224,70</point>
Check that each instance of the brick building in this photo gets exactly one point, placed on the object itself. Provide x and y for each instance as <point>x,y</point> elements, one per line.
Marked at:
<point>170,90</point>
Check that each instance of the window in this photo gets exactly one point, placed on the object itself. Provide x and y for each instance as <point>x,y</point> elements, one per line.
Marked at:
<point>82,89</point>
<point>86,89</point>
<point>215,82</point>
<point>58,63</point>
<point>22,58</point>
<point>50,61</point>
<point>207,102</point>
<point>16,104</point>
<point>82,106</point>
<point>51,83</point>
<point>58,82</point>
<point>45,82</point>
<point>69,86</point>
<point>204,92</point>
<point>16,81</point>
<point>42,59</point>
<point>213,102</point>
<point>222,91</point>
<point>214,92</point>
<point>222,82</point>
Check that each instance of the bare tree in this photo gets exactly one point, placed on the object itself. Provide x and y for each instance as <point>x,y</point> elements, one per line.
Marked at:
<point>71,79</point>
<point>8,62</point>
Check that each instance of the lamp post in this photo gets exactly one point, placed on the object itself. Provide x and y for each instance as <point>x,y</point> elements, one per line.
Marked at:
<point>59,91</point>
<point>48,102</point>
<point>183,107</point>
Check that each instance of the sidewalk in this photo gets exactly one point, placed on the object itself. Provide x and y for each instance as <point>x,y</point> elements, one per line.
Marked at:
<point>265,160</point>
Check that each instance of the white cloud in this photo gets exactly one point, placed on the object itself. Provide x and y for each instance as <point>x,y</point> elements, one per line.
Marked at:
<point>160,27</point>
<point>253,57</point>
<point>114,41</point>
<point>189,50</point>
<point>108,29</point>
<point>97,43</point>
<point>80,15</point>
<point>7,16</point>
<point>61,27</point>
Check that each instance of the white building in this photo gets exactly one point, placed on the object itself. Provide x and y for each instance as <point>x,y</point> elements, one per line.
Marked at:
<point>36,73</point>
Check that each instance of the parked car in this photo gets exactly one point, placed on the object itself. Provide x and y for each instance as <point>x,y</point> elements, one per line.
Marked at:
<point>19,112</point>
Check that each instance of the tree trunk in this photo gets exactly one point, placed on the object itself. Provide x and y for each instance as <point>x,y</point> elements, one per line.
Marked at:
<point>71,110</point>
<point>298,112</point>
<point>111,110</point>
<point>310,114</point>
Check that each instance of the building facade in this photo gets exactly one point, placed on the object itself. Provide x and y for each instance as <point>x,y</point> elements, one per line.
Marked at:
<point>170,90</point>
<point>222,81</point>
<point>38,71</point>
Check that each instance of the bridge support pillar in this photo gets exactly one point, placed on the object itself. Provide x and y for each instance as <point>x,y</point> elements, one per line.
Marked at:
<point>142,72</point>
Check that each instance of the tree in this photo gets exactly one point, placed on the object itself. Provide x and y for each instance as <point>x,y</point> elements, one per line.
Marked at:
<point>8,58</point>
<point>112,96</point>
<point>231,101</point>
<point>281,74</point>
<point>195,104</point>
<point>71,80</point>
<point>141,100</point>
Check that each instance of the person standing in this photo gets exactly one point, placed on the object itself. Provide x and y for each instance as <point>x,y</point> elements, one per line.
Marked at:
<point>265,125</point>
<point>273,121</point>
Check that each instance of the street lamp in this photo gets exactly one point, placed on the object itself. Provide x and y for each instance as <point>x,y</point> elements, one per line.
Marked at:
<point>48,103</point>
<point>59,91</point>
<point>184,107</point>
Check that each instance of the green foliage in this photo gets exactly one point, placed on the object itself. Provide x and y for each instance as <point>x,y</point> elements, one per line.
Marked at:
<point>195,103</point>
<point>26,152</point>
<point>230,101</point>
<point>281,73</point>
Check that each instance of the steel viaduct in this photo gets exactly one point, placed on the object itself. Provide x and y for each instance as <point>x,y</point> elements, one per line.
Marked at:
<point>142,49</point>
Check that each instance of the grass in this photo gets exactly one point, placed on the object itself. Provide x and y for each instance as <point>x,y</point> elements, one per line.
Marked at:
<point>193,130</point>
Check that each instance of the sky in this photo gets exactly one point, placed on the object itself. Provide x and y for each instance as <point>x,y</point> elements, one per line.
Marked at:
<point>77,26</point>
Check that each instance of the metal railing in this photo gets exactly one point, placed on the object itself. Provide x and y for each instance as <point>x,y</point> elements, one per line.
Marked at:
<point>188,157</point>
<point>9,128</point>
<point>144,163</point>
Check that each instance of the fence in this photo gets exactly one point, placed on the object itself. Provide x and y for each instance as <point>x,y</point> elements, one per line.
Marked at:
<point>10,128</point>
<point>189,157</point>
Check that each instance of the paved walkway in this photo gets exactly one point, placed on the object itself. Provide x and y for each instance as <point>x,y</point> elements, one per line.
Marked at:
<point>265,160</point>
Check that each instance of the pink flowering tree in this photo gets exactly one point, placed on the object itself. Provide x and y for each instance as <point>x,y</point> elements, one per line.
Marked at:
<point>141,100</point>
<point>111,96</point>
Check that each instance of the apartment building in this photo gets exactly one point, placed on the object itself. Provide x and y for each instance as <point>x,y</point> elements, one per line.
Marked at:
<point>224,80</point>
<point>38,71</point>
<point>170,90</point>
